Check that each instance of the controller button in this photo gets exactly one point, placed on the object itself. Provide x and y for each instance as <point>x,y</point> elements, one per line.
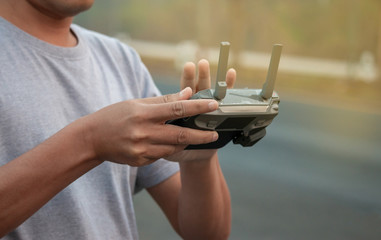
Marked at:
<point>211,124</point>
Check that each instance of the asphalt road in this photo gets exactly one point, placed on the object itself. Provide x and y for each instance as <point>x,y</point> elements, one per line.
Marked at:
<point>316,175</point>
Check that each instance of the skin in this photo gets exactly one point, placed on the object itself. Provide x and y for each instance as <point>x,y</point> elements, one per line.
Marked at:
<point>196,200</point>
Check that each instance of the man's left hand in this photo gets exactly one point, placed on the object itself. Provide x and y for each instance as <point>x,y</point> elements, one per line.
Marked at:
<point>203,81</point>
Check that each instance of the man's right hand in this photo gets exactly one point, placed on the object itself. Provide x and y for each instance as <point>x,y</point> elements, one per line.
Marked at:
<point>134,132</point>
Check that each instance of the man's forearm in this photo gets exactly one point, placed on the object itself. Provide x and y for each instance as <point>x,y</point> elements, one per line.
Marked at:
<point>204,202</point>
<point>31,180</point>
<point>122,132</point>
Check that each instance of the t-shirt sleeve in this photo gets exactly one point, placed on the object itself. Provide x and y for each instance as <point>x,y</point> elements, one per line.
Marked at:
<point>155,173</point>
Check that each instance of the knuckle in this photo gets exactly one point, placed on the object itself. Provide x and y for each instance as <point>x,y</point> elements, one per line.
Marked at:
<point>137,136</point>
<point>137,116</point>
<point>178,109</point>
<point>182,137</point>
<point>138,152</point>
<point>134,152</point>
<point>167,98</point>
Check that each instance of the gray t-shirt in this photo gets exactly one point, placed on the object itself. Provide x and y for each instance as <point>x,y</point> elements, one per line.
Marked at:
<point>43,88</point>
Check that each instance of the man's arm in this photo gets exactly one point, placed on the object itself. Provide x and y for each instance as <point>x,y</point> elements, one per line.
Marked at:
<point>131,132</point>
<point>197,202</point>
<point>31,180</point>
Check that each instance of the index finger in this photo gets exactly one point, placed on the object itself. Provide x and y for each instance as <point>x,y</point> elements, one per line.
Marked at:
<point>182,95</point>
<point>181,109</point>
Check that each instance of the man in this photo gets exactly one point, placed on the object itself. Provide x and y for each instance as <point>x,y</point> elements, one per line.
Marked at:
<point>73,104</point>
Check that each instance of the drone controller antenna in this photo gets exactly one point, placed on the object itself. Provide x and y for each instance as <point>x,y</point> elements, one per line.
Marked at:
<point>268,87</point>
<point>220,88</point>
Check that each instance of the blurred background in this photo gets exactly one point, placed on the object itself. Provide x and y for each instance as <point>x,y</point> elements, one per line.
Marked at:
<point>317,173</point>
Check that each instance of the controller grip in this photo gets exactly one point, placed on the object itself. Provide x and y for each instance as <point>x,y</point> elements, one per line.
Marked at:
<point>224,137</point>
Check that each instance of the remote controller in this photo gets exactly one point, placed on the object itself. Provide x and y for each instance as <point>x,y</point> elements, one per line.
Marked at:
<point>243,114</point>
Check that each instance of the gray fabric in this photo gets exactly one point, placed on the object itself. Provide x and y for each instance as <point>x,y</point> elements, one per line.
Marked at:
<point>42,89</point>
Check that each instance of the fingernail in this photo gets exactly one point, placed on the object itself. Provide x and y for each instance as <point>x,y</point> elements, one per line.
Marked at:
<point>213,105</point>
<point>183,91</point>
<point>215,137</point>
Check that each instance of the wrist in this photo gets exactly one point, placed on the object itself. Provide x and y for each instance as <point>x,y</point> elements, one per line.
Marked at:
<point>84,140</point>
<point>200,159</point>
